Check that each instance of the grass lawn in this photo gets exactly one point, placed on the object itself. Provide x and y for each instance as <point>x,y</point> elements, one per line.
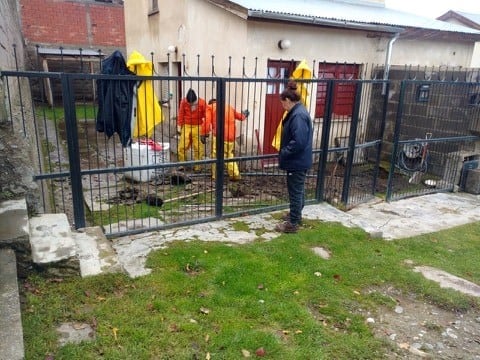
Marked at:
<point>208,300</point>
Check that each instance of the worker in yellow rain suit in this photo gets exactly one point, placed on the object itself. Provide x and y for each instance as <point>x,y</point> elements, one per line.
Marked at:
<point>210,124</point>
<point>302,71</point>
<point>191,116</point>
<point>148,112</point>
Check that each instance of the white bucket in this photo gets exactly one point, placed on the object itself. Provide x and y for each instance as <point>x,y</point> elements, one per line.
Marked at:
<point>139,154</point>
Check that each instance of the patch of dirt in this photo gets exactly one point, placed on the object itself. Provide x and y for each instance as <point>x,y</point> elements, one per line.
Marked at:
<point>419,330</point>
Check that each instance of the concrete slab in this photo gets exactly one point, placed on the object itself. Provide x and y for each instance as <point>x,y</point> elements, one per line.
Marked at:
<point>95,252</point>
<point>447,280</point>
<point>416,216</point>
<point>51,238</point>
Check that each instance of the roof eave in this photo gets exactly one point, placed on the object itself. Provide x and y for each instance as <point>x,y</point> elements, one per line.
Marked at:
<point>323,22</point>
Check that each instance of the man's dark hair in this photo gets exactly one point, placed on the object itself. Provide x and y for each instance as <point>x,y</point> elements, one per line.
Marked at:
<point>191,96</point>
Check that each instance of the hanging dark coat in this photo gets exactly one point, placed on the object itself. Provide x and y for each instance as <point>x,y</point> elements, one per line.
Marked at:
<point>115,99</point>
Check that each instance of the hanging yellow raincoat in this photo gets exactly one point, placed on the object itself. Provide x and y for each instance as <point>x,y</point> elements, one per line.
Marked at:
<point>149,113</point>
<point>302,71</point>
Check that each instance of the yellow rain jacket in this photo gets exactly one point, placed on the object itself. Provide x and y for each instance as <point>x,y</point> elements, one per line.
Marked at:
<point>302,71</point>
<point>149,113</point>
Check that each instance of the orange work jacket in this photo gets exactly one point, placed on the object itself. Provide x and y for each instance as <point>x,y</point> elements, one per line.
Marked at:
<point>191,114</point>
<point>211,121</point>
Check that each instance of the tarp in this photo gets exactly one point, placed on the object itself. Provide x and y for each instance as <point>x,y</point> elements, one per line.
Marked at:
<point>149,112</point>
<point>302,71</point>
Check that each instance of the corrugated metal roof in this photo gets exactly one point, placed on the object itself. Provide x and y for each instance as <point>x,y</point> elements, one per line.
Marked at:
<point>472,17</point>
<point>349,12</point>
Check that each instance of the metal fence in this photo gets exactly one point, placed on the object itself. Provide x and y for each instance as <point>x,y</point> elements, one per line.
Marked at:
<point>435,139</point>
<point>97,180</point>
<point>415,134</point>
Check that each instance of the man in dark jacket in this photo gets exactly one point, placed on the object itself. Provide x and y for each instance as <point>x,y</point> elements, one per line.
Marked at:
<point>295,156</point>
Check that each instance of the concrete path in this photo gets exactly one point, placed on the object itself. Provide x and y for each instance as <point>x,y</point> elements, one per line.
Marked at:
<point>395,220</point>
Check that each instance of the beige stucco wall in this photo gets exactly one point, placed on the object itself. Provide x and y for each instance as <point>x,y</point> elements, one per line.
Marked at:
<point>475,59</point>
<point>432,53</point>
<point>199,29</point>
<point>476,56</point>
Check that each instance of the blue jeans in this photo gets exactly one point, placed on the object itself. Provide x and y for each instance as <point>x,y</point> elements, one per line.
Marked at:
<point>296,194</point>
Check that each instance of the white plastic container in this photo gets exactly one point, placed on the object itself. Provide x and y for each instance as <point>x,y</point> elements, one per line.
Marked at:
<point>146,153</point>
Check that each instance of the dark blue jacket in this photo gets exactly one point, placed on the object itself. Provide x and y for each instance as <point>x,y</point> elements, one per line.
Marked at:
<point>115,99</point>
<point>296,141</point>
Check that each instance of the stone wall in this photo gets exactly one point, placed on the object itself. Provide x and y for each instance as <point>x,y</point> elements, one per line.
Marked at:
<point>17,161</point>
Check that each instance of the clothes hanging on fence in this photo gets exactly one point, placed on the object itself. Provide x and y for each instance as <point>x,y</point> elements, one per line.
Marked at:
<point>302,71</point>
<point>115,99</point>
<point>148,112</point>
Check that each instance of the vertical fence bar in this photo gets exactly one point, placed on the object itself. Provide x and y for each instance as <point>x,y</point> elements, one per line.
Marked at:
<point>73,150</point>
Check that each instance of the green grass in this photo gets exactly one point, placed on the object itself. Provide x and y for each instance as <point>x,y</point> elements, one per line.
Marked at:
<point>122,212</point>
<point>83,111</point>
<point>219,299</point>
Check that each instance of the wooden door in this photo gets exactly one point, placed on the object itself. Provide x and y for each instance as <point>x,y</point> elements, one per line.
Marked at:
<point>277,69</point>
<point>343,93</point>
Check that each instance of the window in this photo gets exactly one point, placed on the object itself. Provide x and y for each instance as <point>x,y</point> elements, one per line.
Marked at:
<point>474,99</point>
<point>423,93</point>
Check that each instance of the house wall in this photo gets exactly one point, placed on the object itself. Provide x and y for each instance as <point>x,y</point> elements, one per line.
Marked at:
<point>200,30</point>
<point>18,160</point>
<point>440,53</point>
<point>475,60</point>
<point>10,34</point>
<point>476,56</point>
<point>198,27</point>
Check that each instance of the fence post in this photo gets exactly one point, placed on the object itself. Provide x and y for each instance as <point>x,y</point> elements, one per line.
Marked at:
<point>73,150</point>
<point>381,135</point>
<point>220,160</point>
<point>327,123</point>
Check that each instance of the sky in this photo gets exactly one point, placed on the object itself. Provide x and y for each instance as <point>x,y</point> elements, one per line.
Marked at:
<point>434,8</point>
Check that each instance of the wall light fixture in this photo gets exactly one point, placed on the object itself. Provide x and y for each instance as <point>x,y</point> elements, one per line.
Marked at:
<point>284,44</point>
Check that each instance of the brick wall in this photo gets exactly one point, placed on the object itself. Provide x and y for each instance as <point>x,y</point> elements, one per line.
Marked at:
<point>72,23</point>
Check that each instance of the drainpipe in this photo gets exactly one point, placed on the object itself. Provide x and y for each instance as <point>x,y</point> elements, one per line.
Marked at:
<point>388,58</point>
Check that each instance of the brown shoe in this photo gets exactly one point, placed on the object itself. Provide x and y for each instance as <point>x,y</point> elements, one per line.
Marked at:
<point>286,217</point>
<point>286,227</point>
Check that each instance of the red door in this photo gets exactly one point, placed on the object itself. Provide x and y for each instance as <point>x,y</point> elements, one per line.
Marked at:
<point>343,93</point>
<point>273,107</point>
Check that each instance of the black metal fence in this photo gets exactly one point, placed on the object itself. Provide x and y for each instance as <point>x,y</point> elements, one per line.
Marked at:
<point>416,141</point>
<point>435,139</point>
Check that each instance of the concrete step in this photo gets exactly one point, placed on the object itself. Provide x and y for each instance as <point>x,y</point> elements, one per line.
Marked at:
<point>61,252</point>
<point>11,332</point>
<point>95,252</point>
<point>54,249</point>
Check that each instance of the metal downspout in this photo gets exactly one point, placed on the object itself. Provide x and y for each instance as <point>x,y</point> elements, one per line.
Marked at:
<point>388,58</point>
